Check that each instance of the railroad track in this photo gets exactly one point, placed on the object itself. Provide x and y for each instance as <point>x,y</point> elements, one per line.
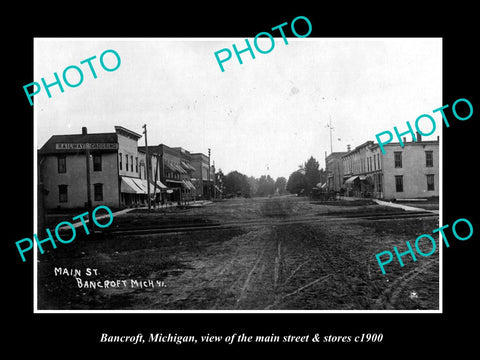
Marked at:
<point>314,218</point>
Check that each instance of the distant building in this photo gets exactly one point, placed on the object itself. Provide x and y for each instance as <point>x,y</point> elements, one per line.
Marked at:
<point>355,169</point>
<point>172,167</point>
<point>334,170</point>
<point>203,177</point>
<point>411,171</point>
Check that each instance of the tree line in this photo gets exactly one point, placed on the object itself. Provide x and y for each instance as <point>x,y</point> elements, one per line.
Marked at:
<point>238,184</point>
<point>308,176</point>
<point>300,182</point>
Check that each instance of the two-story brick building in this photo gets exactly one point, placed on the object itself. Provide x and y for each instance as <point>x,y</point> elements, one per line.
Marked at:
<point>334,170</point>
<point>115,170</point>
<point>407,172</point>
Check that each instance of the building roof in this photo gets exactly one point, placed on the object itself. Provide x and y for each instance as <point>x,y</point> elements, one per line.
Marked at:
<point>50,147</point>
<point>407,143</point>
<point>357,149</point>
<point>127,133</point>
<point>336,154</point>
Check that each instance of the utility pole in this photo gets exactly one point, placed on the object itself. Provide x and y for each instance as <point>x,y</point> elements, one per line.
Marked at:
<point>214,188</point>
<point>208,186</point>
<point>146,163</point>
<point>89,194</point>
<point>331,128</point>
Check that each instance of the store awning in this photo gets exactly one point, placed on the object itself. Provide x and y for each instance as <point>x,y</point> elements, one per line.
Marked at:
<point>188,185</point>
<point>129,186</point>
<point>160,185</point>
<point>169,167</point>
<point>175,167</point>
<point>187,166</point>
<point>178,168</point>
<point>351,179</point>
<point>142,184</point>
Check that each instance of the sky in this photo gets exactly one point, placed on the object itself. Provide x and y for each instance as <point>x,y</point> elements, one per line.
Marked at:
<point>265,116</point>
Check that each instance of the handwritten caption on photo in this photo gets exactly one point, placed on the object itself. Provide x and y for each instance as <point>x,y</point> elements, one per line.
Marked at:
<point>79,275</point>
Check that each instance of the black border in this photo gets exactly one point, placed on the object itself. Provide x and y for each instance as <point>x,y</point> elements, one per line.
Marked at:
<point>50,334</point>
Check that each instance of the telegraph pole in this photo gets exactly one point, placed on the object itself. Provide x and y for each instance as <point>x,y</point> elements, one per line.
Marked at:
<point>89,194</point>
<point>214,188</point>
<point>209,190</point>
<point>331,128</point>
<point>146,164</point>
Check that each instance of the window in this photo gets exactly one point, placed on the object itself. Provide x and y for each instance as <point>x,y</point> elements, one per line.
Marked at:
<point>429,158</point>
<point>378,160</point>
<point>98,192</point>
<point>374,162</point>
<point>120,160</point>
<point>380,176</point>
<point>136,164</point>
<point>430,182</point>
<point>97,162</point>
<point>126,162</point>
<point>62,193</point>
<point>131,163</point>
<point>62,164</point>
<point>399,183</point>
<point>398,159</point>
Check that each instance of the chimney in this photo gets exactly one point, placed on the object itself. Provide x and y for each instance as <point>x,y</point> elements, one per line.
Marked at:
<point>404,139</point>
<point>419,136</point>
<point>84,130</point>
<point>348,147</point>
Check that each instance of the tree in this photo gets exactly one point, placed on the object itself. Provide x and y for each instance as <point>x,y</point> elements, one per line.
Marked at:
<point>253,182</point>
<point>237,184</point>
<point>266,186</point>
<point>312,174</point>
<point>296,183</point>
<point>220,180</point>
<point>280,185</point>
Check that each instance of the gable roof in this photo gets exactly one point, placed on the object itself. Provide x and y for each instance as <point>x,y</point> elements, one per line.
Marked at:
<point>50,147</point>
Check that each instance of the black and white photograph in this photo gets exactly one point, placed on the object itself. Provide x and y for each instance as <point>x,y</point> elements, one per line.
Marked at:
<point>218,179</point>
<point>254,183</point>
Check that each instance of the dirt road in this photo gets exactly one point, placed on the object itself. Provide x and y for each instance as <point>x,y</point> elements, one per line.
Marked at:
<point>277,258</point>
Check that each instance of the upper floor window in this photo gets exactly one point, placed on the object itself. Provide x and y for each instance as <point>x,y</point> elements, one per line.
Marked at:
<point>120,160</point>
<point>131,163</point>
<point>62,164</point>
<point>398,159</point>
<point>136,164</point>
<point>429,158</point>
<point>126,162</point>
<point>97,162</point>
